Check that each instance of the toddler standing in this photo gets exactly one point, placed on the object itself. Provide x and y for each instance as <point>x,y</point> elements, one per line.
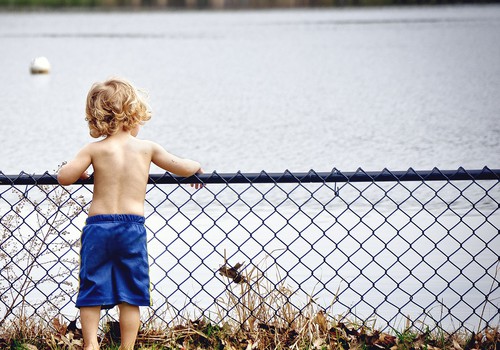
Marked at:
<point>114,267</point>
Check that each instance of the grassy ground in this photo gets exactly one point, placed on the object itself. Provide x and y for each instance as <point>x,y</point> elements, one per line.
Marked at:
<point>317,332</point>
<point>254,314</point>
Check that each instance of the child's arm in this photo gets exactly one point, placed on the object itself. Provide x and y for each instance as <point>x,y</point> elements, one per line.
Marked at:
<point>75,169</point>
<point>174,164</point>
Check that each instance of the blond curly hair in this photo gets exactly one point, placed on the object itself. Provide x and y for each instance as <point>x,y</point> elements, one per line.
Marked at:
<point>113,105</point>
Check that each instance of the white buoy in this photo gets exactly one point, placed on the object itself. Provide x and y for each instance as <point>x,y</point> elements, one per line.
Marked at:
<point>40,65</point>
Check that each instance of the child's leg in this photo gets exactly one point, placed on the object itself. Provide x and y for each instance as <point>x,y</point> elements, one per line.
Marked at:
<point>90,316</point>
<point>130,322</point>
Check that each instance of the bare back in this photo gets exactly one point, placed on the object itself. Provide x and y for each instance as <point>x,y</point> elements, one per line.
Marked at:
<point>121,168</point>
<point>121,165</point>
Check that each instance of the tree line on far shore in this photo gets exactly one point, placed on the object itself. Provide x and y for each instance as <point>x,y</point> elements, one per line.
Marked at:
<point>222,4</point>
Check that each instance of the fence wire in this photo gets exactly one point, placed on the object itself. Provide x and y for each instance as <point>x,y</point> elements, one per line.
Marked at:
<point>386,247</point>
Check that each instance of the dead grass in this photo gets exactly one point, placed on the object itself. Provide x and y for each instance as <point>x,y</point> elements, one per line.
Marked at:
<point>254,313</point>
<point>315,332</point>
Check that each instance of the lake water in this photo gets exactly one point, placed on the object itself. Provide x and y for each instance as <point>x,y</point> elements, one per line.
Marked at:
<point>265,90</point>
<point>271,90</point>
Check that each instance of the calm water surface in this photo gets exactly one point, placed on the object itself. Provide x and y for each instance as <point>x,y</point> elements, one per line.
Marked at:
<point>265,90</point>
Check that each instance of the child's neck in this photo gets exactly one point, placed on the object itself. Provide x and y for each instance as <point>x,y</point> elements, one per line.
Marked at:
<point>122,133</point>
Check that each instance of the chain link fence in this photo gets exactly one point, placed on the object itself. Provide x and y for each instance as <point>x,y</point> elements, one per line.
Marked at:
<point>386,247</point>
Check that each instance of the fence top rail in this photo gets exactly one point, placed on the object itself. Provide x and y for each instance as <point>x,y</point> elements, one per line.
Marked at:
<point>286,177</point>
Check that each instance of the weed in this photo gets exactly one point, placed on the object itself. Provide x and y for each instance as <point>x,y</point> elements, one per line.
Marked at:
<point>34,235</point>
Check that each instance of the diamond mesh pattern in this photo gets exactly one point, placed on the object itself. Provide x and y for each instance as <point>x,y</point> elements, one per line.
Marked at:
<point>384,246</point>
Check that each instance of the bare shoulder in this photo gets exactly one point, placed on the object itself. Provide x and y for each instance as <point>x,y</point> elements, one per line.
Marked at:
<point>91,148</point>
<point>149,143</point>
<point>152,146</point>
<point>88,149</point>
<point>95,145</point>
<point>102,145</point>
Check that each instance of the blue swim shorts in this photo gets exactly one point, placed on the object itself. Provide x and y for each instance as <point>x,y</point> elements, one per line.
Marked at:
<point>114,264</point>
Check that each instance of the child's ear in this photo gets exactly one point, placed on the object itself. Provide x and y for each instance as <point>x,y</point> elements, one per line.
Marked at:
<point>94,133</point>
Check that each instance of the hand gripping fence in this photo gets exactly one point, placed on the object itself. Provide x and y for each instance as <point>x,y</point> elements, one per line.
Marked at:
<point>391,247</point>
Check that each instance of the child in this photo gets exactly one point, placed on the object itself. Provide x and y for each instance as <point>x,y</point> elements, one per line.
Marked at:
<point>114,266</point>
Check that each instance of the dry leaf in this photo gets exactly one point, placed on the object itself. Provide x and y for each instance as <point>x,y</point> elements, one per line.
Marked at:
<point>318,343</point>
<point>232,272</point>
<point>456,346</point>
<point>60,328</point>
<point>321,321</point>
<point>29,347</point>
